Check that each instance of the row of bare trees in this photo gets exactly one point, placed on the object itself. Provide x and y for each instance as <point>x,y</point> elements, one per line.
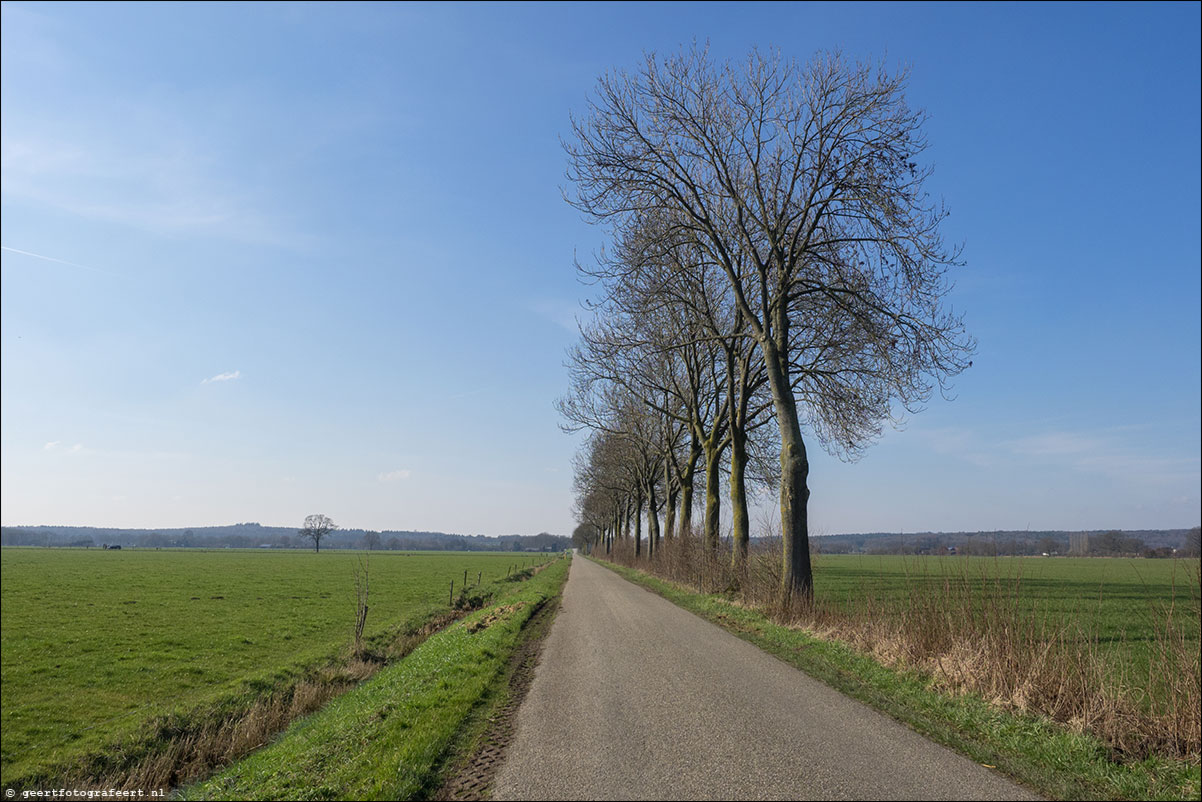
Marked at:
<point>776,268</point>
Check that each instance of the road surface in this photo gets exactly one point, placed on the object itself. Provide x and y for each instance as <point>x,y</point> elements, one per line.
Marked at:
<point>634,698</point>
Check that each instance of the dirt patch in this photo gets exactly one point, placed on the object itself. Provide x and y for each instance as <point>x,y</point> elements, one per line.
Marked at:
<point>473,777</point>
<point>495,616</point>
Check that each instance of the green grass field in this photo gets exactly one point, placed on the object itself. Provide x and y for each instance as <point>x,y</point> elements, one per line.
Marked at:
<point>1121,601</point>
<point>97,643</point>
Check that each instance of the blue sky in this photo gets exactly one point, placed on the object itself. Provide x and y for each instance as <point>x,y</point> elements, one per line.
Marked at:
<point>264,261</point>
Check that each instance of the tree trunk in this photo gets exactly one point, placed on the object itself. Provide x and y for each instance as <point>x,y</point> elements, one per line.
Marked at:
<point>713,504</point>
<point>796,576</point>
<point>686,490</point>
<point>741,520</point>
<point>794,518</point>
<point>670,514</point>
<point>638,525</point>
<point>670,501</point>
<point>652,519</point>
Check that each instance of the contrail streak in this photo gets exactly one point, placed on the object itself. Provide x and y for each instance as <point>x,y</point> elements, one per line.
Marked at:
<point>52,259</point>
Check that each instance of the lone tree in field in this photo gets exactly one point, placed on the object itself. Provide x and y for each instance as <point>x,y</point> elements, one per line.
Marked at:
<point>802,187</point>
<point>316,527</point>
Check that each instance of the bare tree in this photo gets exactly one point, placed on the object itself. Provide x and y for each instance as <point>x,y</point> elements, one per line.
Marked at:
<point>585,536</point>
<point>801,186</point>
<point>626,447</point>
<point>648,341</point>
<point>362,575</point>
<point>316,527</point>
<point>1191,546</point>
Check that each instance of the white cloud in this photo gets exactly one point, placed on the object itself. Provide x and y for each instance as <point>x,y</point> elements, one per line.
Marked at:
<point>57,446</point>
<point>395,476</point>
<point>224,377</point>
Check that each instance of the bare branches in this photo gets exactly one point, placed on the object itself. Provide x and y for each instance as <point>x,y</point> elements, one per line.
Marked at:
<point>317,527</point>
<point>774,205</point>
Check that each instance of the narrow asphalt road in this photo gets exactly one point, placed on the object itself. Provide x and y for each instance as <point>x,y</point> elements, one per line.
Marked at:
<point>635,698</point>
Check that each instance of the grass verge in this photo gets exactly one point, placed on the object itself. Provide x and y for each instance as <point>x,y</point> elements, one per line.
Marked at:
<point>1031,749</point>
<point>390,737</point>
<point>472,765</point>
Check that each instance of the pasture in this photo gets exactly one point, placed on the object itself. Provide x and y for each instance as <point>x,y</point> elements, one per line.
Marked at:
<point>1119,603</point>
<point>96,644</point>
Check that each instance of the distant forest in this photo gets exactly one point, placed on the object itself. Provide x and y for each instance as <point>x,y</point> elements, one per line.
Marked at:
<point>1102,543</point>
<point>1099,543</point>
<point>253,535</point>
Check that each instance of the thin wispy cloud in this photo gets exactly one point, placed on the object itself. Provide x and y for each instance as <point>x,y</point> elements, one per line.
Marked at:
<point>395,476</point>
<point>57,445</point>
<point>177,186</point>
<point>1057,444</point>
<point>961,443</point>
<point>465,394</point>
<point>1110,452</point>
<point>560,311</point>
<point>1104,452</point>
<point>52,259</point>
<point>223,377</point>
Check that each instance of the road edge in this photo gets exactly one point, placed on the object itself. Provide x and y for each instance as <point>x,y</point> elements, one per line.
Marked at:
<point>472,768</point>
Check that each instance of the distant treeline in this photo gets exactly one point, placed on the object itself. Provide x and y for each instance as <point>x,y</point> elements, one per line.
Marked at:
<point>253,535</point>
<point>1099,543</point>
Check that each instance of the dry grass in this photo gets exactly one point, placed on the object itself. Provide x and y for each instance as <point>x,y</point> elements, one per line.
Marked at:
<point>982,634</point>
